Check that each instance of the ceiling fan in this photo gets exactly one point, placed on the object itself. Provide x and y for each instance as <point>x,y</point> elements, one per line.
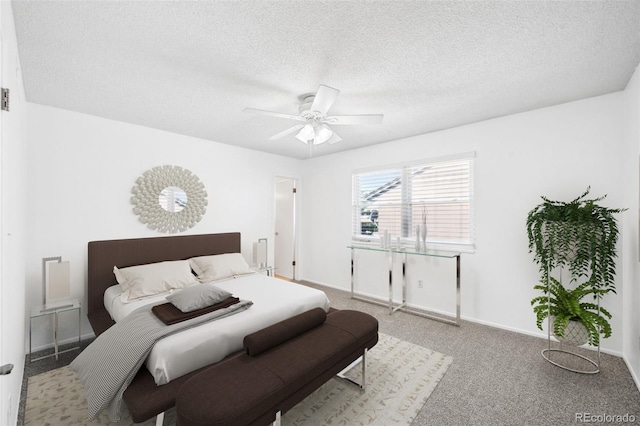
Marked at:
<point>313,113</point>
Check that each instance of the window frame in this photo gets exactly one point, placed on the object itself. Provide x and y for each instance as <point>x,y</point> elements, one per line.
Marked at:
<point>409,241</point>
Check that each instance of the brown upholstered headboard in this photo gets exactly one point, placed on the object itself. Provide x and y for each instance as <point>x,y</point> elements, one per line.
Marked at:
<point>104,255</point>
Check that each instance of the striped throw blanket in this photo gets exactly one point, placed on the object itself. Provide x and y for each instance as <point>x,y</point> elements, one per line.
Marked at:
<point>107,366</point>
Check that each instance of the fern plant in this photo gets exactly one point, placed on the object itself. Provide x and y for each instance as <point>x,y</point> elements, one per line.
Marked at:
<point>579,234</point>
<point>565,305</point>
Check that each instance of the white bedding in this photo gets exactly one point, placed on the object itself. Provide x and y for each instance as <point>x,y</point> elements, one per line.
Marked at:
<point>273,300</point>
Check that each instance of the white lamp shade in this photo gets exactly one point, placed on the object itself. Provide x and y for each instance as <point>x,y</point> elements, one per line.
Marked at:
<point>260,253</point>
<point>306,134</point>
<point>323,133</point>
<point>58,285</point>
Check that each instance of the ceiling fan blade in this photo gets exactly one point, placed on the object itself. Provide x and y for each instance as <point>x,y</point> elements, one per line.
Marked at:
<point>286,132</point>
<point>354,119</point>
<point>273,114</point>
<point>334,138</point>
<point>325,97</point>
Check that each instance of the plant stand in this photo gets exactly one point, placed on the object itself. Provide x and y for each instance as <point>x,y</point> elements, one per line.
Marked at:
<point>559,348</point>
<point>546,354</point>
<point>580,235</point>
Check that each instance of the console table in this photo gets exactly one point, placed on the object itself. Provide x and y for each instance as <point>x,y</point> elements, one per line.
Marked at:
<point>403,305</point>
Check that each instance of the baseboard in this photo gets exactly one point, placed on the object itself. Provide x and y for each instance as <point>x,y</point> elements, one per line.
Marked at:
<point>541,335</point>
<point>69,341</point>
<point>636,379</point>
<point>303,280</point>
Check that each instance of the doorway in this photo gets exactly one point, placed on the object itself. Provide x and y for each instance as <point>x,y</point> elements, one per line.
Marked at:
<point>285,228</point>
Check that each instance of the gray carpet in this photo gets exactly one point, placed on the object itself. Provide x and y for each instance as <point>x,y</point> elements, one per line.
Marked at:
<point>498,377</point>
<point>400,378</point>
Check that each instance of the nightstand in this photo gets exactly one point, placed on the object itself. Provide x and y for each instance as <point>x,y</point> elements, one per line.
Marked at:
<point>270,270</point>
<point>70,305</point>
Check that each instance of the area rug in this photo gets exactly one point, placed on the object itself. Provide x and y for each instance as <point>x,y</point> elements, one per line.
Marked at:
<point>400,378</point>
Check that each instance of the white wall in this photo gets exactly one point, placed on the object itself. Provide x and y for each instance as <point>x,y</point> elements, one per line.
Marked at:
<point>13,229</point>
<point>630,255</point>
<point>556,152</point>
<point>82,169</point>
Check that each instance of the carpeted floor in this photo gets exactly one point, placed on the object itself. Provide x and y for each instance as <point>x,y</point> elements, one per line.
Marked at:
<point>400,377</point>
<point>498,377</point>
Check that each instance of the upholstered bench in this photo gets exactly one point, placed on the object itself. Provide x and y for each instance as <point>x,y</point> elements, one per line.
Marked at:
<point>282,364</point>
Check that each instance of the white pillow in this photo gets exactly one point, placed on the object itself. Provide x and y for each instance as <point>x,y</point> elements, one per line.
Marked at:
<point>154,278</point>
<point>219,266</point>
<point>198,297</point>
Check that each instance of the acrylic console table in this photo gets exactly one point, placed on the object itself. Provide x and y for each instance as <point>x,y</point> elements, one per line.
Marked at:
<point>393,307</point>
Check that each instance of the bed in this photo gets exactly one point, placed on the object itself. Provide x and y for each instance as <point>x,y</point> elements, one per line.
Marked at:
<point>151,394</point>
<point>103,255</point>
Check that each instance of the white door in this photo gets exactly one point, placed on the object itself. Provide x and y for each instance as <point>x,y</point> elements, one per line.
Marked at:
<point>285,226</point>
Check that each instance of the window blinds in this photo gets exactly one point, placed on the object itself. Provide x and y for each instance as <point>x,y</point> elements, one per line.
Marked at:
<point>397,199</point>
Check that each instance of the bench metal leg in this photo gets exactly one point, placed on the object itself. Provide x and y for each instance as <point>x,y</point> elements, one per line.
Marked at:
<point>363,361</point>
<point>160,419</point>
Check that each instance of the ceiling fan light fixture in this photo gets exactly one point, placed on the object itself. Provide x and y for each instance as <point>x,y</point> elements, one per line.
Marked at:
<point>323,134</point>
<point>313,115</point>
<point>306,134</point>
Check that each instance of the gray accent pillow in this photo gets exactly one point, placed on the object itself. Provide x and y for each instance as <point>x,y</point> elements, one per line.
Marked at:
<point>197,297</point>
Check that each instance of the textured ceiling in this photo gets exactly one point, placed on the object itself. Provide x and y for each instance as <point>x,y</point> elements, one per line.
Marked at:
<point>191,67</point>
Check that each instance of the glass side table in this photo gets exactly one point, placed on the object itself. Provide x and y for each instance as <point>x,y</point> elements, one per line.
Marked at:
<point>270,270</point>
<point>45,311</point>
<point>403,305</point>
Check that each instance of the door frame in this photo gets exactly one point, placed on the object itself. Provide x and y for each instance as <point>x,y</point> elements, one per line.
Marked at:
<point>5,404</point>
<point>294,225</point>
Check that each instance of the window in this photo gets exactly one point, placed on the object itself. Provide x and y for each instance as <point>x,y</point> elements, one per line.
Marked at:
<point>397,199</point>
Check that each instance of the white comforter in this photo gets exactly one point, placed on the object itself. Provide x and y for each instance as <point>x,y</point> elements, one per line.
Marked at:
<point>273,300</point>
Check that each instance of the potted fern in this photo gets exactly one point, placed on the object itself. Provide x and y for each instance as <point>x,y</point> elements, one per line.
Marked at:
<point>580,235</point>
<point>573,321</point>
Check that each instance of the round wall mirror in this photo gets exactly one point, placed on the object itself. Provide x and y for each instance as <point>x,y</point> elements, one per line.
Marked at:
<point>172,199</point>
<point>169,199</point>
